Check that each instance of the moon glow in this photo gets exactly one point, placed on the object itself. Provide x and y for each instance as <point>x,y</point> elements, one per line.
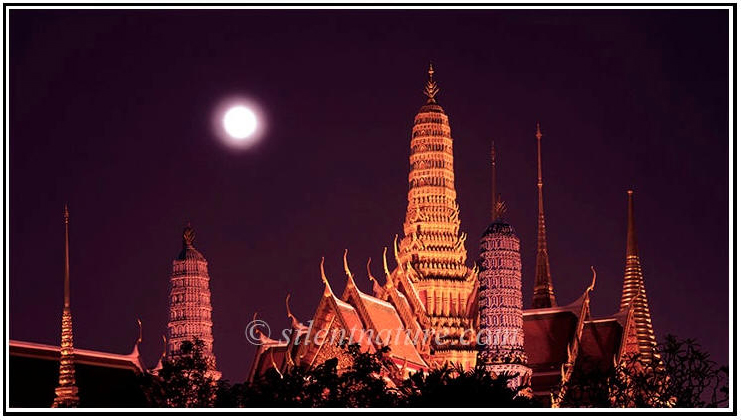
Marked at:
<point>239,122</point>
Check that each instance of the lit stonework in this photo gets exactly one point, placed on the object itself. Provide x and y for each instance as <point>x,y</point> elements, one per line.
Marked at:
<point>190,300</point>
<point>634,290</point>
<point>66,392</point>
<point>502,347</point>
<point>432,253</point>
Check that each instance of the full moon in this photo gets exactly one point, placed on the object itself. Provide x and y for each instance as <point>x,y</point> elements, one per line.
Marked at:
<point>239,122</point>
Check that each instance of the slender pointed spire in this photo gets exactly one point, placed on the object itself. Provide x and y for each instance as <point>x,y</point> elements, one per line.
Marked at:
<point>498,208</point>
<point>494,198</point>
<point>66,391</point>
<point>634,290</point>
<point>543,294</point>
<point>431,88</point>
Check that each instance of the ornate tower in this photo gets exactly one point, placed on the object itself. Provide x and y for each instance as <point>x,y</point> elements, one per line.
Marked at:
<point>190,300</point>
<point>543,294</point>
<point>502,348</point>
<point>66,392</point>
<point>634,288</point>
<point>432,252</point>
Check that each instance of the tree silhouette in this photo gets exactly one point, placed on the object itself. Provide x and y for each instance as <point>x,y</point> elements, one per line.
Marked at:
<point>683,377</point>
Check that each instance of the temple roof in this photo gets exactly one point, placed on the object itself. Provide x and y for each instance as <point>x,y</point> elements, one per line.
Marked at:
<point>89,357</point>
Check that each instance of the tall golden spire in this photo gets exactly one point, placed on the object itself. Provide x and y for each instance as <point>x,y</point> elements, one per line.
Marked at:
<point>431,88</point>
<point>634,288</point>
<point>543,294</point>
<point>66,391</point>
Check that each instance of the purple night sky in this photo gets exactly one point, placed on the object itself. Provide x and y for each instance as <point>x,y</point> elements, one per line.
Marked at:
<point>111,111</point>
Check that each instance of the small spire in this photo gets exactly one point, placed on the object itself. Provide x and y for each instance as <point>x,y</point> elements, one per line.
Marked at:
<point>543,293</point>
<point>494,198</point>
<point>431,88</point>
<point>632,247</point>
<point>66,257</point>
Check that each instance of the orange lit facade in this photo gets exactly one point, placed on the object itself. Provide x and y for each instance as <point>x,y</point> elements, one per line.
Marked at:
<point>190,301</point>
<point>432,288</point>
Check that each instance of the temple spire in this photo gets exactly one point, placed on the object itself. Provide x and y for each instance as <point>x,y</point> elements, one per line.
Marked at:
<point>543,294</point>
<point>66,391</point>
<point>634,290</point>
<point>431,88</point>
<point>498,208</point>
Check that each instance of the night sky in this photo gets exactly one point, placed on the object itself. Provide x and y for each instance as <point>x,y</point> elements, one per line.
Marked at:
<point>111,112</point>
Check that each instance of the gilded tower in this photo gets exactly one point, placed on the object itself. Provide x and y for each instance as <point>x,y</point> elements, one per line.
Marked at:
<point>66,391</point>
<point>432,253</point>
<point>190,300</point>
<point>502,348</point>
<point>543,294</point>
<point>634,290</point>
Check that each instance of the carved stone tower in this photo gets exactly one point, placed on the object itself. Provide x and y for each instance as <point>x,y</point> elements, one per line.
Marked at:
<point>190,300</point>
<point>502,347</point>
<point>66,392</point>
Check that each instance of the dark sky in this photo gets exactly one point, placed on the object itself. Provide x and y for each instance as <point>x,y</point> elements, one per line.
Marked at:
<point>111,111</point>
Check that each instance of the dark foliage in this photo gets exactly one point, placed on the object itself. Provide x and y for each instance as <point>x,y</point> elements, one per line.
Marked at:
<point>683,377</point>
<point>184,380</point>
<point>363,385</point>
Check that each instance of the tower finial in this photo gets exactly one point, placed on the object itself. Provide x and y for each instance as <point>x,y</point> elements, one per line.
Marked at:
<point>431,88</point>
<point>189,235</point>
<point>632,247</point>
<point>66,257</point>
<point>497,205</point>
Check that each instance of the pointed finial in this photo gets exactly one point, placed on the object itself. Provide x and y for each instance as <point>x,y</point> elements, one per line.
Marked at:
<point>344,260</point>
<point>294,322</point>
<point>327,287</point>
<point>189,235</point>
<point>594,279</point>
<point>494,198</point>
<point>538,134</point>
<point>66,257</point>
<point>370,275</point>
<point>396,249</point>
<point>385,263</point>
<point>632,247</point>
<point>139,340</point>
<point>431,88</point>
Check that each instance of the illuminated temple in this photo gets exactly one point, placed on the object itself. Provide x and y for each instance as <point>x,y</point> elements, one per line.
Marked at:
<point>431,305</point>
<point>432,288</point>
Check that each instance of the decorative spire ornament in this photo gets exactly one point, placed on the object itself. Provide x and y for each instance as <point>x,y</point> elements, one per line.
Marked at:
<point>543,294</point>
<point>66,391</point>
<point>634,290</point>
<point>431,88</point>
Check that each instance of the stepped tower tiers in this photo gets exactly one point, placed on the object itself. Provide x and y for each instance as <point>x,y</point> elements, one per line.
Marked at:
<point>502,337</point>
<point>635,288</point>
<point>190,301</point>
<point>432,254</point>
<point>543,294</point>
<point>66,392</point>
